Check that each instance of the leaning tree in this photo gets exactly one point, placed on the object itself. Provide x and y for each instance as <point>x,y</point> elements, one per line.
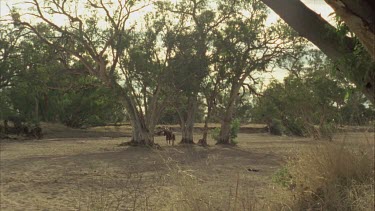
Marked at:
<point>350,56</point>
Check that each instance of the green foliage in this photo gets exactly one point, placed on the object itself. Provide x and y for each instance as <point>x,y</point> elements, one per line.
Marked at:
<point>90,104</point>
<point>244,110</point>
<point>298,103</point>
<point>295,127</point>
<point>276,127</point>
<point>283,178</point>
<point>215,134</point>
<point>312,96</point>
<point>91,107</point>
<point>5,106</point>
<point>169,116</point>
<point>42,92</point>
<point>357,67</point>
<point>234,129</point>
<point>356,110</point>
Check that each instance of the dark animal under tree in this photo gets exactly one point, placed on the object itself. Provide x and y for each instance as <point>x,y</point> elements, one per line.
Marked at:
<point>169,136</point>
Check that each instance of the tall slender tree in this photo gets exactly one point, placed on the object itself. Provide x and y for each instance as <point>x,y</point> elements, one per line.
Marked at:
<point>247,46</point>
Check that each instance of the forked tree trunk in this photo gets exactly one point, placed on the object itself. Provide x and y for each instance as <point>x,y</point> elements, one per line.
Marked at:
<point>142,134</point>
<point>187,125</point>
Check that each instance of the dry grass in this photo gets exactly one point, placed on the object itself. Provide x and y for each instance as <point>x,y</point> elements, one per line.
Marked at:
<point>132,191</point>
<point>96,174</point>
<point>192,193</point>
<point>330,176</point>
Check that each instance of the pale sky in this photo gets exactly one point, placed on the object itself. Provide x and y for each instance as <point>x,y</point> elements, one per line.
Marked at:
<point>318,6</point>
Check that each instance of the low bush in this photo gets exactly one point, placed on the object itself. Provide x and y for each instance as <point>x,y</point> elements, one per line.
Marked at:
<point>276,127</point>
<point>295,127</point>
<point>234,129</point>
<point>283,178</point>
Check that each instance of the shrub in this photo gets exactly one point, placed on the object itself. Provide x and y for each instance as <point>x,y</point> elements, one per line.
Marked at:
<point>295,127</point>
<point>234,129</point>
<point>215,133</point>
<point>283,178</point>
<point>276,128</point>
<point>329,177</point>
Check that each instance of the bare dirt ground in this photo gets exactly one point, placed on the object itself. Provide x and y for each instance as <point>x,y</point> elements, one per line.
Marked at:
<point>87,170</point>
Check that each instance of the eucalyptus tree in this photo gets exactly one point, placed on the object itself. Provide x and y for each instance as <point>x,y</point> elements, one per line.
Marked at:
<point>247,46</point>
<point>196,22</point>
<point>309,101</point>
<point>97,37</point>
<point>47,89</point>
<point>144,70</point>
<point>24,64</point>
<point>10,38</point>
